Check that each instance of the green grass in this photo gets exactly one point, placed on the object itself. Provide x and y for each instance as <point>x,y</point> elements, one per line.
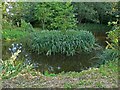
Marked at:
<point>94,27</point>
<point>14,34</point>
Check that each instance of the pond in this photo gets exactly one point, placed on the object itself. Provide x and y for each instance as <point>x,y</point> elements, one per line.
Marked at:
<point>55,63</point>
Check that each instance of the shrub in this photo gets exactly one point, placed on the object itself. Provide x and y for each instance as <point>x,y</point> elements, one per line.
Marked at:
<point>112,49</point>
<point>55,42</point>
<point>113,36</point>
<point>107,55</point>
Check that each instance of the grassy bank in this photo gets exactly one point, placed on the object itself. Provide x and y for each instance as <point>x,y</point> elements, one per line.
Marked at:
<point>104,77</point>
<point>14,34</point>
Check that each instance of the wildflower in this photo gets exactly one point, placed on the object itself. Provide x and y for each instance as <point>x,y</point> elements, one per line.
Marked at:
<point>14,56</point>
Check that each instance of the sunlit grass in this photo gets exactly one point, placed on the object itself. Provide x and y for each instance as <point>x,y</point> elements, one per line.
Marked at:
<point>13,34</point>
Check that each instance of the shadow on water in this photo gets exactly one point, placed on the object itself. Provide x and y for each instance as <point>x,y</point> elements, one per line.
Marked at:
<point>55,63</point>
<point>101,38</point>
<point>59,63</point>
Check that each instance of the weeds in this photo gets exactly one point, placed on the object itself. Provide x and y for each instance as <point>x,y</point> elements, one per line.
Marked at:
<point>9,69</point>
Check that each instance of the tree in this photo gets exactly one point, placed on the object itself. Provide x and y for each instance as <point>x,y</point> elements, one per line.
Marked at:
<point>56,15</point>
<point>85,11</point>
<point>64,18</point>
<point>94,11</point>
<point>43,13</point>
<point>17,11</point>
<point>104,11</point>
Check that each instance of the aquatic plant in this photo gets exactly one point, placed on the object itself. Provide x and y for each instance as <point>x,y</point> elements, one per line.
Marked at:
<point>57,42</point>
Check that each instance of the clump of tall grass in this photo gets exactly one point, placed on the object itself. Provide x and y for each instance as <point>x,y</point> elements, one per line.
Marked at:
<point>57,42</point>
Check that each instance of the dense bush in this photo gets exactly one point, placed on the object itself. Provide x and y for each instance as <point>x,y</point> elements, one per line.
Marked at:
<point>55,42</point>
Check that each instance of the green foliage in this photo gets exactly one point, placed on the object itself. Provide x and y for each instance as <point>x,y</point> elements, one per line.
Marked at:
<point>104,11</point>
<point>13,34</point>
<point>56,15</point>
<point>10,32</point>
<point>26,26</point>
<point>65,18</point>
<point>67,85</point>
<point>108,54</point>
<point>6,24</point>
<point>17,11</point>
<point>94,27</point>
<point>98,12</point>
<point>112,49</point>
<point>49,74</point>
<point>113,65</point>
<point>114,36</point>
<point>85,11</point>
<point>43,13</point>
<point>9,68</point>
<point>60,15</point>
<point>55,42</point>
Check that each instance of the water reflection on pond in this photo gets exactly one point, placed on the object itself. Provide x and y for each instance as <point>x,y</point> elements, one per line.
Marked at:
<point>54,63</point>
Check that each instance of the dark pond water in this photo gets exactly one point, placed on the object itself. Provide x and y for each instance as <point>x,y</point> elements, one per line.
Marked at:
<point>56,63</point>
